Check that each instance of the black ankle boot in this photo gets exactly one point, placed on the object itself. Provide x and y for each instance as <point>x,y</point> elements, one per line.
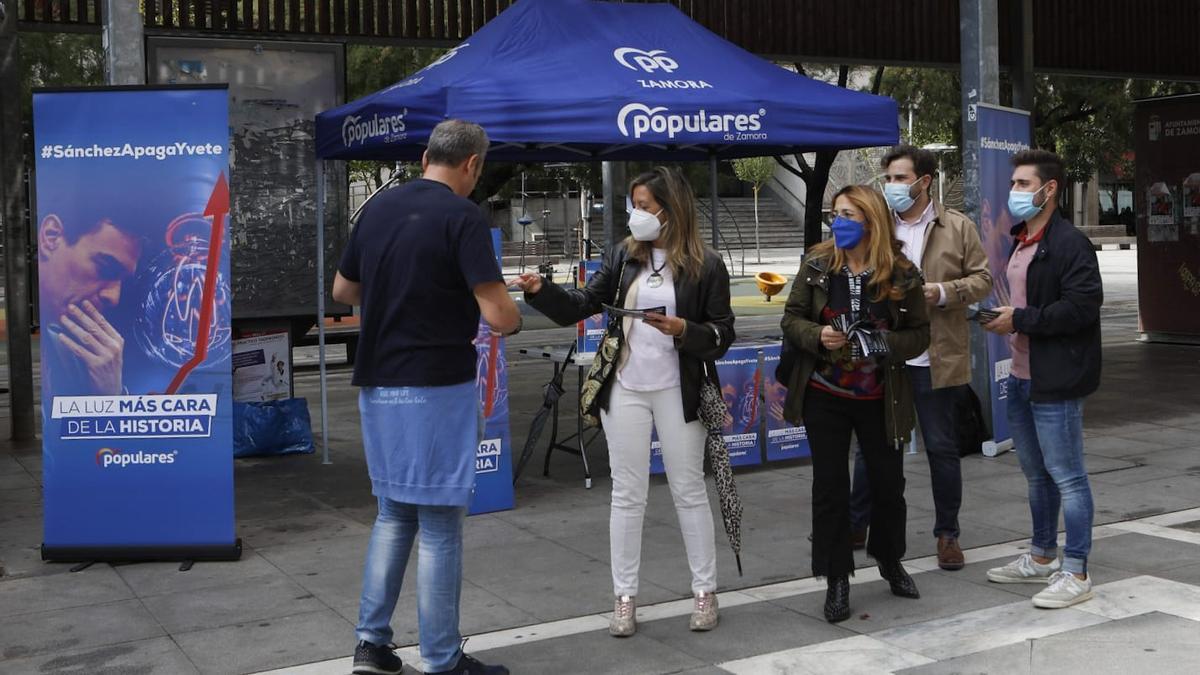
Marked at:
<point>837,599</point>
<point>902,584</point>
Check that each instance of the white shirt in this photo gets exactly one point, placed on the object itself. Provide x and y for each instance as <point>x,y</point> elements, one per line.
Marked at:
<point>653,363</point>
<point>912,235</point>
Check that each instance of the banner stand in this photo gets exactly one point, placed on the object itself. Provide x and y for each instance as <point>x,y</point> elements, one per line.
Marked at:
<point>214,553</point>
<point>136,347</point>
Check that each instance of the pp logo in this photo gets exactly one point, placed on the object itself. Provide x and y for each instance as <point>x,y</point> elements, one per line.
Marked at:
<point>448,55</point>
<point>651,61</point>
<point>1155,127</point>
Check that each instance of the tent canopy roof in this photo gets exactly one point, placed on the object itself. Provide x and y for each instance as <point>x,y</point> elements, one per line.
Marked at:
<point>580,80</point>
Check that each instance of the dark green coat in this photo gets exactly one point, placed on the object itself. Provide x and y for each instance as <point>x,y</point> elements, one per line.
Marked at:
<point>908,338</point>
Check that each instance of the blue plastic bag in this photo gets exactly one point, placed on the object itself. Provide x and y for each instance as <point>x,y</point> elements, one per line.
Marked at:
<point>272,428</point>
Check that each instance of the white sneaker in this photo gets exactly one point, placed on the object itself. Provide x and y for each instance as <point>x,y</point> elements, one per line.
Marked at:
<point>1024,570</point>
<point>624,618</point>
<point>1065,589</point>
<point>704,615</point>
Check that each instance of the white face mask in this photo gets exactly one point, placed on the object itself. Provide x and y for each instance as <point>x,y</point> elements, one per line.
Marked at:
<point>644,225</point>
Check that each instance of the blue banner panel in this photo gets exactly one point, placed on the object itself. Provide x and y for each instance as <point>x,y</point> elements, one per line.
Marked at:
<point>133,280</point>
<point>741,386</point>
<point>784,441</point>
<point>1002,134</point>
<point>493,457</point>
<point>591,329</point>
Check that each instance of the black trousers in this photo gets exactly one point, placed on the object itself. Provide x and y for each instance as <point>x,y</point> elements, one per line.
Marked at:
<point>829,420</point>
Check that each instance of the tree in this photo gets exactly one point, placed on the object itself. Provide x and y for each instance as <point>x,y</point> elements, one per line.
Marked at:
<point>816,174</point>
<point>58,60</point>
<point>1088,121</point>
<point>756,171</point>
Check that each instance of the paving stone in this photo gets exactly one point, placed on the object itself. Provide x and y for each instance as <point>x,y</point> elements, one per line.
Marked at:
<point>156,656</point>
<point>148,579</point>
<point>302,527</point>
<point>1008,660</point>
<point>1143,554</point>
<point>272,643</point>
<point>246,601</point>
<point>95,585</point>
<point>594,653</point>
<point>76,628</point>
<point>747,630</point>
<point>874,608</point>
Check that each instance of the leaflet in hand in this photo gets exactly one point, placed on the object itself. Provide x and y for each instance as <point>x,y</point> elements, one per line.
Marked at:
<point>864,338</point>
<point>981,315</point>
<point>633,313</point>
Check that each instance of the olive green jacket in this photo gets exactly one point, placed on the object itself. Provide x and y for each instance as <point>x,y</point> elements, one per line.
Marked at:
<point>907,339</point>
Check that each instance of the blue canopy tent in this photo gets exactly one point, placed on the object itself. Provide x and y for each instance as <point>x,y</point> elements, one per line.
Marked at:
<point>583,80</point>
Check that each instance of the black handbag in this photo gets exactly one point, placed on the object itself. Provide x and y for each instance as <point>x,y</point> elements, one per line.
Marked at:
<point>787,363</point>
<point>970,429</point>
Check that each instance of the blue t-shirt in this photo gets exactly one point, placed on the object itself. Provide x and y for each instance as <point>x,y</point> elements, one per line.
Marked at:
<point>418,250</point>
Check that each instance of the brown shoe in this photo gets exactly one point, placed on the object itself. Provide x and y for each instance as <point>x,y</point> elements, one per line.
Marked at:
<point>950,556</point>
<point>858,539</point>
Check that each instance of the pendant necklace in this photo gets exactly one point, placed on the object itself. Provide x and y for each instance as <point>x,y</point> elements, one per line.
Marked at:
<point>656,279</point>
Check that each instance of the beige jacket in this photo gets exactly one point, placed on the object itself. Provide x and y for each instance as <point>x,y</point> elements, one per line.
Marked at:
<point>954,258</point>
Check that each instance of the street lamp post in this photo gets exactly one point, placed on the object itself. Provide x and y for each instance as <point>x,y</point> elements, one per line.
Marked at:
<point>940,148</point>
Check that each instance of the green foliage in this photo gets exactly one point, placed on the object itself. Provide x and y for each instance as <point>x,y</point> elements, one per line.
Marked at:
<point>58,60</point>
<point>1088,121</point>
<point>755,170</point>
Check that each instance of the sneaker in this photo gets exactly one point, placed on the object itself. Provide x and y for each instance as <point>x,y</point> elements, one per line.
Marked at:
<point>371,659</point>
<point>704,615</point>
<point>469,665</point>
<point>1065,589</point>
<point>624,618</point>
<point>1024,570</point>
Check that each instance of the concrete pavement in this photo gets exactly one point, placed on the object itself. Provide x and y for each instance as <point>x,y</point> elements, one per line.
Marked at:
<point>292,599</point>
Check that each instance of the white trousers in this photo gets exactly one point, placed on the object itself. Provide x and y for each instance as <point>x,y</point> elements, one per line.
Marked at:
<point>627,424</point>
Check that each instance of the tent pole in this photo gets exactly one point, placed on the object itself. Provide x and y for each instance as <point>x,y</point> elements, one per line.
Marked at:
<point>321,309</point>
<point>712,186</point>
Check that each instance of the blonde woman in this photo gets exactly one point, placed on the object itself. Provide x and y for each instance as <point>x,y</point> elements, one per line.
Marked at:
<point>838,387</point>
<point>656,381</point>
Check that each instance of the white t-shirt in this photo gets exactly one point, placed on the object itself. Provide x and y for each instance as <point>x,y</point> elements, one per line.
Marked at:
<point>912,236</point>
<point>653,362</point>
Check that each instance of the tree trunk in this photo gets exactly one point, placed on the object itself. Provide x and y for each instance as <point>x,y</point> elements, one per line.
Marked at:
<point>757,245</point>
<point>814,198</point>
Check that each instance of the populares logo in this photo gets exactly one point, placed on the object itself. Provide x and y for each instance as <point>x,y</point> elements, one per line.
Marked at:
<point>638,119</point>
<point>389,128</point>
<point>647,61</point>
<point>1155,127</point>
<point>106,457</point>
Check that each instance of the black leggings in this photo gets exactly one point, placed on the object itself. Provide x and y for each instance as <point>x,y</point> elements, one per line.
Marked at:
<point>829,420</point>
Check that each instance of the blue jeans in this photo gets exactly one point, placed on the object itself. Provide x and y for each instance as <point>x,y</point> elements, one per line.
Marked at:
<point>439,577</point>
<point>1049,440</point>
<point>935,410</point>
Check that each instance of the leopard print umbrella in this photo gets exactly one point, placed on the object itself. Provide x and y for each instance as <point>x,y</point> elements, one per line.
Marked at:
<point>712,416</point>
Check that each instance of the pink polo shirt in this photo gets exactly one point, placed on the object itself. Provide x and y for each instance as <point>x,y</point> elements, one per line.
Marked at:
<point>1018,269</point>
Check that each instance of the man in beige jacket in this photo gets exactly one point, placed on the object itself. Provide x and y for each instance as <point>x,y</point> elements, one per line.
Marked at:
<point>945,245</point>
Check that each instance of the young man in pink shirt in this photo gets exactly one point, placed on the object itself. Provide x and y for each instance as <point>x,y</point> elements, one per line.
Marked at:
<point>1054,328</point>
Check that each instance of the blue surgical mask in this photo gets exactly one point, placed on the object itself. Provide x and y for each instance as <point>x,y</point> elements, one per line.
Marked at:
<point>1021,205</point>
<point>847,233</point>
<point>899,196</point>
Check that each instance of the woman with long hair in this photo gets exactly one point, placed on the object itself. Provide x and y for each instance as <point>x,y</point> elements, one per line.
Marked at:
<point>657,377</point>
<point>843,383</point>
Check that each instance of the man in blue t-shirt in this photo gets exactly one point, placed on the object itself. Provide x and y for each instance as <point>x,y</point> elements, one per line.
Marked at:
<point>420,264</point>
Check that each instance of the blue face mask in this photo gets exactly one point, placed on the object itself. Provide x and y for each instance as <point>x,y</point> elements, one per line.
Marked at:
<point>1021,205</point>
<point>899,196</point>
<point>847,233</point>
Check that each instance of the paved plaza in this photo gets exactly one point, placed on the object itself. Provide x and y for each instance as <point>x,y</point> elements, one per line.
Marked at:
<point>537,581</point>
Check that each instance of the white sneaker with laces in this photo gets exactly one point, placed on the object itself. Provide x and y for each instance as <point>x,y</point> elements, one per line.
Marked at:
<point>704,615</point>
<point>624,618</point>
<point>1024,570</point>
<point>1065,589</point>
